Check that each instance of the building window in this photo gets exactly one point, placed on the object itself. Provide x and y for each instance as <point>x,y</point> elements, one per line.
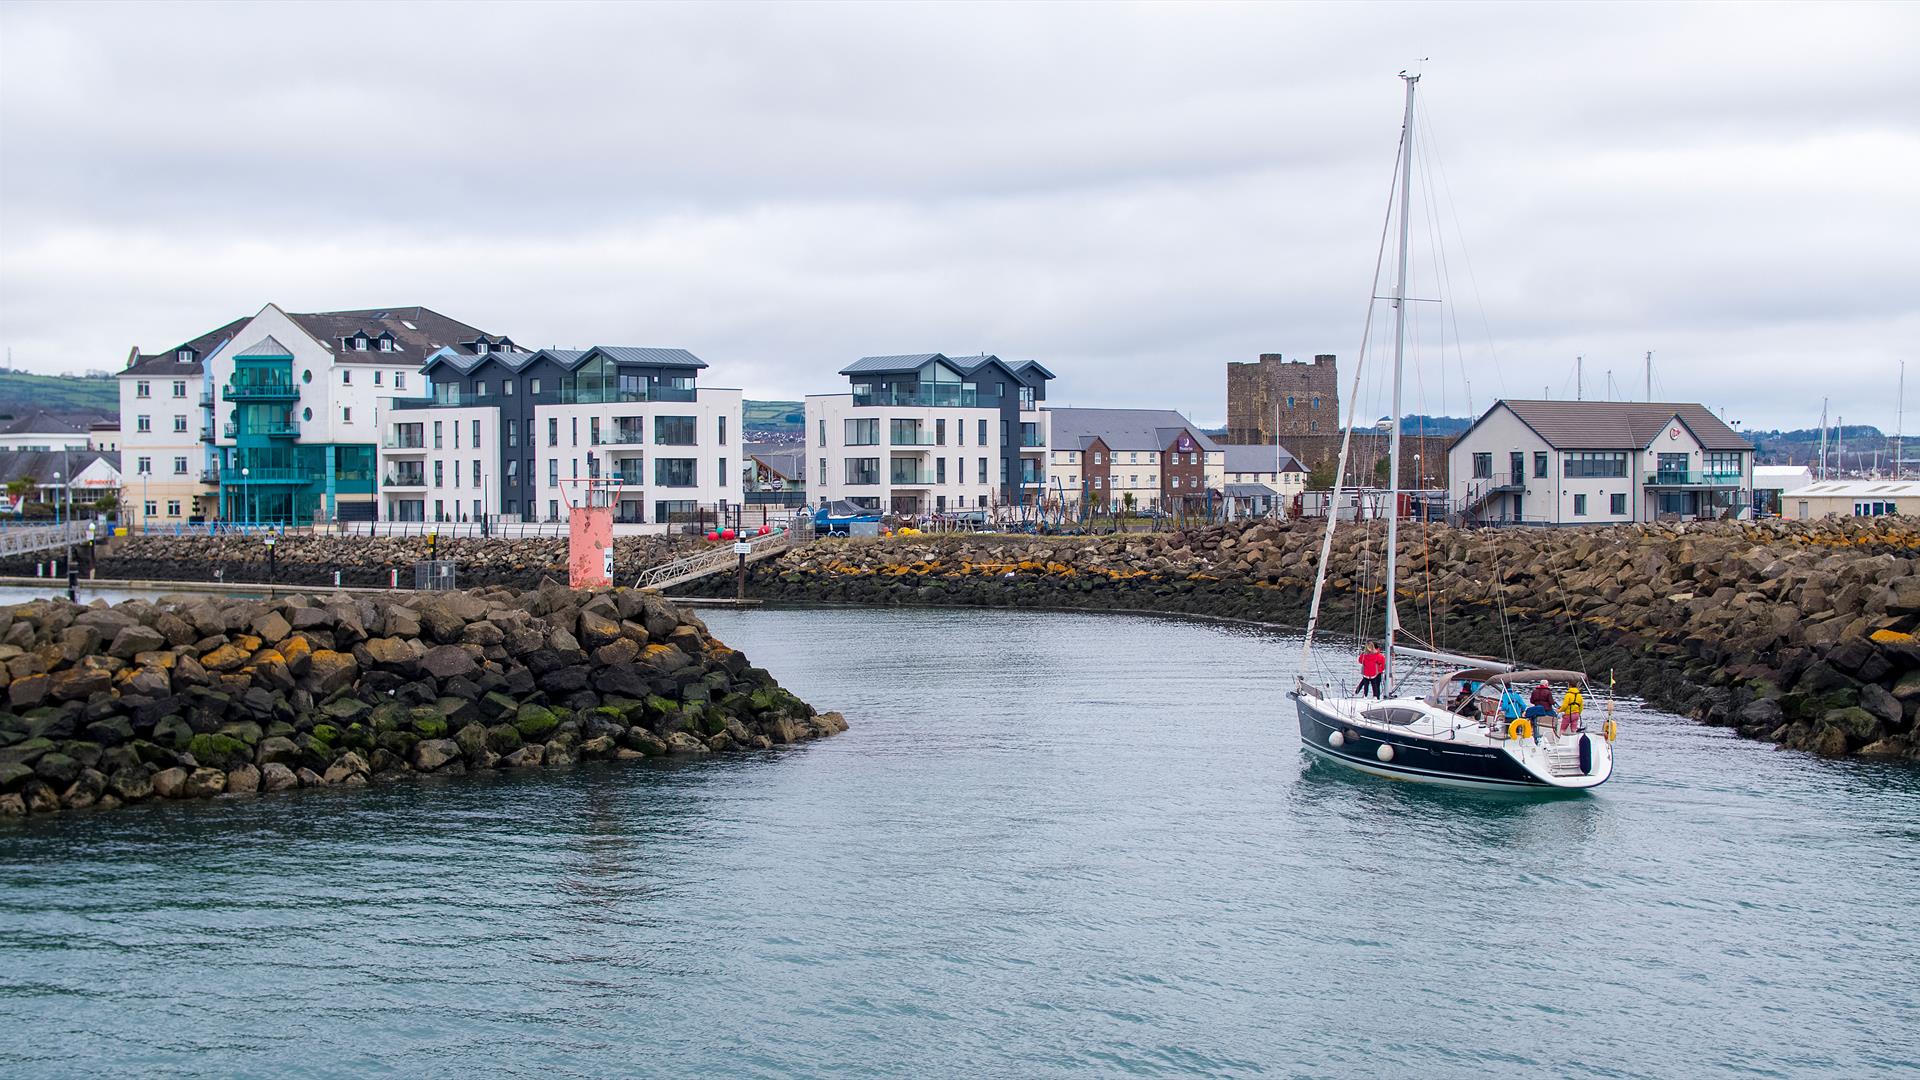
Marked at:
<point>1176,483</point>
<point>533,386</point>
<point>376,376</point>
<point>476,472</point>
<point>1617,504</point>
<point>346,376</point>
<point>143,423</point>
<point>480,388</point>
<point>674,472</point>
<point>346,414</point>
<point>983,468</point>
<point>1723,464</point>
<point>173,507</point>
<point>1483,466</point>
<point>863,471</point>
<point>553,431</point>
<point>675,431</point>
<point>360,344</point>
<point>513,433</point>
<point>439,510</point>
<point>386,345</point>
<point>723,436</point>
<point>180,425</point>
<point>143,466</point>
<point>721,476</point>
<point>823,434</point>
<point>476,433</point>
<point>506,387</point>
<point>151,508</point>
<point>179,388</point>
<point>553,509</point>
<point>573,438</point>
<point>1099,458</point>
<point>1539,464</point>
<point>399,380</point>
<point>1579,506</point>
<point>437,424</point>
<point>513,472</point>
<point>553,472</point>
<point>180,465</point>
<point>862,432</point>
<point>1593,464</point>
<point>142,389</point>
<point>185,356</point>
<point>823,469</point>
<point>983,433</point>
<point>439,474</point>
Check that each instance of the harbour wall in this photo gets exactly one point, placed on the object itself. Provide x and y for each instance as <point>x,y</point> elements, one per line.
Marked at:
<point>1800,633</point>
<point>195,696</point>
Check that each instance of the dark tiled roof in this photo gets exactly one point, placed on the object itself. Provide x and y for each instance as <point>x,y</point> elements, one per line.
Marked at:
<point>416,331</point>
<point>1617,425</point>
<point>168,363</point>
<point>1258,458</point>
<point>887,365</point>
<point>42,464</point>
<point>41,422</point>
<point>1124,429</point>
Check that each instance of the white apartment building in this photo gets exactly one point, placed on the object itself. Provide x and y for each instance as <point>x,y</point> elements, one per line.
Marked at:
<point>165,471</point>
<point>927,433</point>
<point>523,436</point>
<point>1588,462</point>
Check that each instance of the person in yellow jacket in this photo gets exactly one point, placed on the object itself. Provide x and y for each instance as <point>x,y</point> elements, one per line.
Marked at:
<point>1570,706</point>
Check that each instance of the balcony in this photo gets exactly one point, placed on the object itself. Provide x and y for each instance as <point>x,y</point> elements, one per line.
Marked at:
<point>273,429</point>
<point>406,480</point>
<point>631,478</point>
<point>621,437</point>
<point>940,395</point>
<point>1678,479</point>
<point>911,437</point>
<point>404,443</point>
<point>1033,442</point>
<point>914,477</point>
<point>615,395</point>
<point>260,390</point>
<point>251,475</point>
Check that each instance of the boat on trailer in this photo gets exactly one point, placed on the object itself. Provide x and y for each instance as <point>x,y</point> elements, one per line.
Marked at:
<point>1470,738</point>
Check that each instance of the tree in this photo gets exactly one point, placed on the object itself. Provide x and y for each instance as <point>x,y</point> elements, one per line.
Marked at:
<point>1321,478</point>
<point>1380,472</point>
<point>1126,500</point>
<point>22,487</point>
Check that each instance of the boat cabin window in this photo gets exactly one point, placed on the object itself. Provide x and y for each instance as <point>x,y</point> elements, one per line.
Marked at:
<point>1392,715</point>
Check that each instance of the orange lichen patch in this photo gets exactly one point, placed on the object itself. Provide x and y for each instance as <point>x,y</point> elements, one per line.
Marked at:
<point>1890,637</point>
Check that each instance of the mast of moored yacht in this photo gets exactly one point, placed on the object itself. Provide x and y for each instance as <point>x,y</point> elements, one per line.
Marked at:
<point>1399,366</point>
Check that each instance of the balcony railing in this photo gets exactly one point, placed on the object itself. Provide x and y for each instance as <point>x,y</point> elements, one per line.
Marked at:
<point>270,475</point>
<point>1678,478</point>
<point>1033,441</point>
<point>621,437</point>
<point>406,479</point>
<point>930,396</point>
<point>405,442</point>
<point>911,478</point>
<point>260,390</point>
<point>915,437</point>
<point>863,479</point>
<point>614,395</point>
<point>273,429</point>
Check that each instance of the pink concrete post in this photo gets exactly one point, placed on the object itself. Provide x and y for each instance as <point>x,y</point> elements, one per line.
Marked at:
<point>590,546</point>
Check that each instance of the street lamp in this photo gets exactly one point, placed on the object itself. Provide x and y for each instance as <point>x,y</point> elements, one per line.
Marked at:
<point>56,497</point>
<point>246,492</point>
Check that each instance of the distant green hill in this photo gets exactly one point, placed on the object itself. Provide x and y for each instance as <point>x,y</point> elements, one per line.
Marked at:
<point>775,415</point>
<point>22,392</point>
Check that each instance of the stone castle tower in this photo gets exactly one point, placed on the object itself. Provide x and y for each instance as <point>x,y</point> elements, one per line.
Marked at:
<point>1302,398</point>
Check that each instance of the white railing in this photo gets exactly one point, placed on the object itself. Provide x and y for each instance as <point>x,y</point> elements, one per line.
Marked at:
<point>721,557</point>
<point>26,539</point>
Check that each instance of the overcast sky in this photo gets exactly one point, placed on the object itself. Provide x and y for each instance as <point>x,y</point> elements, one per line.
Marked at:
<point>1133,195</point>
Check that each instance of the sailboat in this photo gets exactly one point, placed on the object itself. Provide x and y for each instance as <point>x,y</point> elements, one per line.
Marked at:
<point>1470,729</point>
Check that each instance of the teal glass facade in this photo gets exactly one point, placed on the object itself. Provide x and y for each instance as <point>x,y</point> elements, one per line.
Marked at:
<point>268,475</point>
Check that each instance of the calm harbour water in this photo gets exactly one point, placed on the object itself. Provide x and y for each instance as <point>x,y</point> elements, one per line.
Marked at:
<point>1051,845</point>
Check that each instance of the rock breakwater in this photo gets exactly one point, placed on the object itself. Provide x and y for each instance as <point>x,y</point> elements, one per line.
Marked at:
<point>193,697</point>
<point>1801,633</point>
<point>365,561</point>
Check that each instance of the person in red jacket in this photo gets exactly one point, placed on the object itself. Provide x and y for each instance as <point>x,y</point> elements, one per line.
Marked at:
<point>1373,668</point>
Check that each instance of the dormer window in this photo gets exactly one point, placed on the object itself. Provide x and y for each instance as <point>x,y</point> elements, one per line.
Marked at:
<point>386,344</point>
<point>185,356</point>
<point>360,343</point>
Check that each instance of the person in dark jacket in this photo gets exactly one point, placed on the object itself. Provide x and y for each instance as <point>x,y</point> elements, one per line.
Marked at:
<point>1540,703</point>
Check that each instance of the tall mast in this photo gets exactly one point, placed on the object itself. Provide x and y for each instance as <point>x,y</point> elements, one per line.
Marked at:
<point>1649,374</point>
<point>1823,439</point>
<point>1579,378</point>
<point>1399,366</point>
<point>1899,418</point>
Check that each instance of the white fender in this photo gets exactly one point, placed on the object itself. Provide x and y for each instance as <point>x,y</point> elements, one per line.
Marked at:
<point>1336,739</point>
<point>1385,753</point>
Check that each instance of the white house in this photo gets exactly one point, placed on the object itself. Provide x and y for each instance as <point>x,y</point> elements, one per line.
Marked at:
<point>1588,462</point>
<point>163,435</point>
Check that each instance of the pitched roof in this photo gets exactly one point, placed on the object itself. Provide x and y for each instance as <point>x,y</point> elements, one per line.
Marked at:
<point>789,464</point>
<point>1022,367</point>
<point>1259,458</point>
<point>168,362</point>
<point>629,354</point>
<point>416,332</point>
<point>42,464</point>
<point>887,365</point>
<point>268,347</point>
<point>1615,425</point>
<point>1124,429</point>
<point>41,422</point>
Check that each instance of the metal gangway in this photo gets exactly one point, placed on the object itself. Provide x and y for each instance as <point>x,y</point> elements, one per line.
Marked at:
<point>720,558</point>
<point>27,539</point>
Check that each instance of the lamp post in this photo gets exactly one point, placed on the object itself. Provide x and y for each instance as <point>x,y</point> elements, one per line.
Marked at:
<point>56,497</point>
<point>246,492</point>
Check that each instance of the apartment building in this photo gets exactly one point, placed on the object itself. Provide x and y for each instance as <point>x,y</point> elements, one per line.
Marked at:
<point>295,424</point>
<point>522,436</point>
<point>1589,462</point>
<point>165,462</point>
<point>1143,459</point>
<point>926,433</point>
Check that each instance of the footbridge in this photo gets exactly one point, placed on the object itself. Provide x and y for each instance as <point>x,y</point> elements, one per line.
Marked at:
<point>27,539</point>
<point>718,559</point>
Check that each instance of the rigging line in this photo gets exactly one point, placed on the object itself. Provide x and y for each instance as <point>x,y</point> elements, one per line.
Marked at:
<point>1466,256</point>
<point>1353,403</point>
<point>1436,256</point>
<point>1579,654</point>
